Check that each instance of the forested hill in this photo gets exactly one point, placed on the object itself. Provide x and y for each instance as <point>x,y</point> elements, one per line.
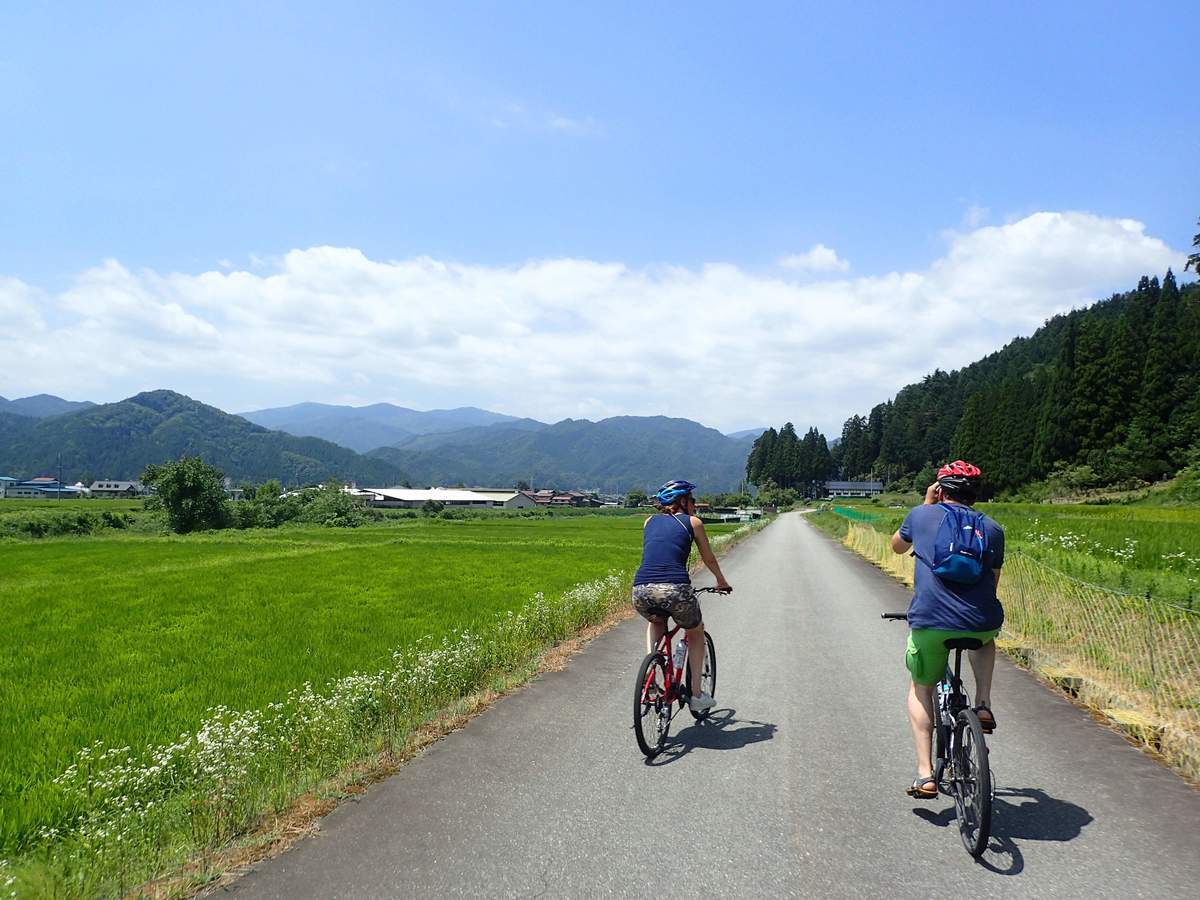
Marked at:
<point>611,455</point>
<point>42,406</point>
<point>1114,388</point>
<point>363,428</point>
<point>117,440</point>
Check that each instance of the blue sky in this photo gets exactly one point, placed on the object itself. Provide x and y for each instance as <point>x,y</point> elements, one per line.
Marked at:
<point>491,136</point>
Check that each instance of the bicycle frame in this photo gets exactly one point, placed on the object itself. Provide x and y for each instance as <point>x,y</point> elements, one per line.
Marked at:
<point>675,689</point>
<point>951,699</point>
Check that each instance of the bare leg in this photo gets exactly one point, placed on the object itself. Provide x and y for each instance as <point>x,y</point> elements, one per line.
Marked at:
<point>983,663</point>
<point>695,638</point>
<point>920,717</point>
<point>655,629</point>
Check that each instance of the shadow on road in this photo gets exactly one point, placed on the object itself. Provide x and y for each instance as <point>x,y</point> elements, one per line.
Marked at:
<point>1028,814</point>
<point>720,731</point>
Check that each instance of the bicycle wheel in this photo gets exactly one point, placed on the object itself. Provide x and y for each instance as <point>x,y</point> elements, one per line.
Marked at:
<point>708,675</point>
<point>971,782</point>
<point>651,710</point>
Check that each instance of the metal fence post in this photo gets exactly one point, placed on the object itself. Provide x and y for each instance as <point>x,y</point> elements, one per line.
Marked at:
<point>1150,648</point>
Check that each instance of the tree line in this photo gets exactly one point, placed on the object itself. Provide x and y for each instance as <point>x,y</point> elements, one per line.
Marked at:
<point>781,460</point>
<point>1107,394</point>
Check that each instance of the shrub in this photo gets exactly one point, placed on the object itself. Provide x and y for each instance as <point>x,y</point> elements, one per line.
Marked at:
<point>333,507</point>
<point>191,493</point>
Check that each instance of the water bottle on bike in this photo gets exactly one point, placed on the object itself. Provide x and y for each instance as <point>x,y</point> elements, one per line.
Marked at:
<point>679,657</point>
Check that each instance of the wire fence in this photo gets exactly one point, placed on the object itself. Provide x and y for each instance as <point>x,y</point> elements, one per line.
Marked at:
<point>1132,657</point>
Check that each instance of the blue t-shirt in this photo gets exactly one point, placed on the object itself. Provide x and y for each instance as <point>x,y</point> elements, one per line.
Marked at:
<point>943,604</point>
<point>666,543</point>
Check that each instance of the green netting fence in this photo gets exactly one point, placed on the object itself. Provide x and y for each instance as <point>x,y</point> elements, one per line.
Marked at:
<point>857,515</point>
<point>1134,658</point>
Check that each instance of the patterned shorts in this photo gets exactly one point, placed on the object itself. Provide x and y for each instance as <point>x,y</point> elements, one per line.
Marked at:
<point>675,600</point>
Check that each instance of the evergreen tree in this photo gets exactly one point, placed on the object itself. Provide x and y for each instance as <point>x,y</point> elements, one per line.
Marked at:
<point>1055,439</point>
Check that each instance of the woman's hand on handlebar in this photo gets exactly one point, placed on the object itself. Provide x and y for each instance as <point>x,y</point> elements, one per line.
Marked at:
<point>723,587</point>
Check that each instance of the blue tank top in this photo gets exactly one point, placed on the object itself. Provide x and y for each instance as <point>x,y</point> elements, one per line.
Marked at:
<point>666,543</point>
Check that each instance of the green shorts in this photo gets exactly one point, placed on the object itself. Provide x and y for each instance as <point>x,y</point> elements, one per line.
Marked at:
<point>928,654</point>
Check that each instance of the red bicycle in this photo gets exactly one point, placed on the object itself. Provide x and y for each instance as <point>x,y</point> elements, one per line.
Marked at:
<point>663,681</point>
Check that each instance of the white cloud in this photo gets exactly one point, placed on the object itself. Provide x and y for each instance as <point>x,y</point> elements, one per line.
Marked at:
<point>818,259</point>
<point>521,116</point>
<point>975,215</point>
<point>563,337</point>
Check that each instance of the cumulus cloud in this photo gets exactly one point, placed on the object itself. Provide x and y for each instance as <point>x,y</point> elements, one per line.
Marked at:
<point>819,259</point>
<point>563,337</point>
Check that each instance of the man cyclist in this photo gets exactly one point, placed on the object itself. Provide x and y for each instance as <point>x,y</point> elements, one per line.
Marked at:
<point>662,587</point>
<point>942,609</point>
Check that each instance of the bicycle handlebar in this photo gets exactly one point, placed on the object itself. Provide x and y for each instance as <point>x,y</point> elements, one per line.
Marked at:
<point>903,617</point>
<point>711,590</point>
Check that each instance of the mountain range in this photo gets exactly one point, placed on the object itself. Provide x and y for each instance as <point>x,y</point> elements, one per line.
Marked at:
<point>611,455</point>
<point>465,445</point>
<point>118,440</point>
<point>42,406</point>
<point>363,428</point>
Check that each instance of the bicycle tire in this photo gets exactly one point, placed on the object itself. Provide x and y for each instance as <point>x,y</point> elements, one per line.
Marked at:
<point>971,782</point>
<point>708,675</point>
<point>651,711</point>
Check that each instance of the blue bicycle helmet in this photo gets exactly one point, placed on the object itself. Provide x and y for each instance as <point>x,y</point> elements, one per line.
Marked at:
<point>673,490</point>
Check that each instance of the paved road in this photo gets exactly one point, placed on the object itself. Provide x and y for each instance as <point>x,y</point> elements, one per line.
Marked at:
<point>794,789</point>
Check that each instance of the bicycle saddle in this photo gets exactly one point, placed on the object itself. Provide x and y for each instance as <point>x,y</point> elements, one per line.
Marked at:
<point>964,643</point>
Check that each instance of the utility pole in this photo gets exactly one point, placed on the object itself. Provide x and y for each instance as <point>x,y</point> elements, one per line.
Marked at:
<point>60,484</point>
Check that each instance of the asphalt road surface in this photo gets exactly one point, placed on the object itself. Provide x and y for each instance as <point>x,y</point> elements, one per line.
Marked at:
<point>794,788</point>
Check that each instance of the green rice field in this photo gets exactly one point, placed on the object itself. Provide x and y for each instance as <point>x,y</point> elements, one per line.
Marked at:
<point>130,639</point>
<point>1137,549</point>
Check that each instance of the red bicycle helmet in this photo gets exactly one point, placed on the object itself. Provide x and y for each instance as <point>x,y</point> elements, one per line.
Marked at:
<point>960,477</point>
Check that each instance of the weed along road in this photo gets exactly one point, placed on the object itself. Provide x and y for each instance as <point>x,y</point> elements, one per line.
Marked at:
<point>794,788</point>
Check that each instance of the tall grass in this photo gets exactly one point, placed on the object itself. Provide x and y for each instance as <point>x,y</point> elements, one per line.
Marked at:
<point>1136,549</point>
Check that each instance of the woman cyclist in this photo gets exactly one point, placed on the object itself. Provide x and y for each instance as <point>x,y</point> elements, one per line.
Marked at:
<point>662,587</point>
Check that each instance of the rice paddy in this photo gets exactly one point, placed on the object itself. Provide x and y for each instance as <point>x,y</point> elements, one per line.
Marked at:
<point>132,639</point>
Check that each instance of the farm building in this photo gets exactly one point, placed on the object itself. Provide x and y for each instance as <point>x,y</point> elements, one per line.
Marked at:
<point>117,490</point>
<point>853,488</point>
<point>565,498</point>
<point>43,487</point>
<point>415,498</point>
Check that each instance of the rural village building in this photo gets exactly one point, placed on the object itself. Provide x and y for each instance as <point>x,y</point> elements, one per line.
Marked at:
<point>853,488</point>
<point>565,498</point>
<point>43,487</point>
<point>415,498</point>
<point>114,490</point>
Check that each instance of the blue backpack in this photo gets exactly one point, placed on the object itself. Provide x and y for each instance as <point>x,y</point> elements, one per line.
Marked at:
<point>959,546</point>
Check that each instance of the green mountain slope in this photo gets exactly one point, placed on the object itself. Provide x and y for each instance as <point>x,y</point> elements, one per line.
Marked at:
<point>611,455</point>
<point>364,427</point>
<point>41,406</point>
<point>1112,390</point>
<point>117,440</point>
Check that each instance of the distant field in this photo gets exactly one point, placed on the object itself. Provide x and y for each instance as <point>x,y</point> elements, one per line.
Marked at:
<point>1131,548</point>
<point>74,502</point>
<point>130,638</point>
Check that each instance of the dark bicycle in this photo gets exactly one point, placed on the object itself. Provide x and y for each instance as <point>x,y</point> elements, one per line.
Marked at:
<point>960,756</point>
<point>661,684</point>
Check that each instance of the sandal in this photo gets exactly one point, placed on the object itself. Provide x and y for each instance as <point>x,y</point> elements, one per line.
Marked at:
<point>919,791</point>
<point>989,724</point>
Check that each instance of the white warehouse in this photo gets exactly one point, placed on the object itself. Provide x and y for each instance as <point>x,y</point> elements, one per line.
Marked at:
<point>476,498</point>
